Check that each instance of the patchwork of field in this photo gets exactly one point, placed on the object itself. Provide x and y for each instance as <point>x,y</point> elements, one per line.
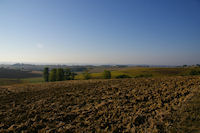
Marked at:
<point>142,72</point>
<point>15,77</point>
<point>18,74</point>
<point>168,104</point>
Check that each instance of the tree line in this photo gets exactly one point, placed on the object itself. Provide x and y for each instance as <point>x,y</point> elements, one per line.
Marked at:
<point>58,74</point>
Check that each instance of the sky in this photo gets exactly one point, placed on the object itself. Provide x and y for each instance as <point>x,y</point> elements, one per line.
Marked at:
<point>154,32</point>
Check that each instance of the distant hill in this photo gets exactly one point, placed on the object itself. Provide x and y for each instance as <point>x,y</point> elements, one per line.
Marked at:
<point>32,67</point>
<point>74,68</point>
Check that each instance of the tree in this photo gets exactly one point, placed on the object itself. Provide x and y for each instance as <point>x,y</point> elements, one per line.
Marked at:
<point>67,74</point>
<point>86,75</point>
<point>72,76</point>
<point>46,74</point>
<point>107,74</point>
<point>184,65</point>
<point>52,76</point>
<point>60,74</point>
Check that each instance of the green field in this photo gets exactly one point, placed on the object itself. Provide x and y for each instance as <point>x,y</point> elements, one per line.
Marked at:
<point>135,72</point>
<point>33,80</point>
<point>6,81</point>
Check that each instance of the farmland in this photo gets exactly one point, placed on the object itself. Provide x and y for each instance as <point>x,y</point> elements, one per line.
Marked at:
<point>160,104</point>
<point>15,76</point>
<point>96,73</point>
<point>100,66</point>
<point>13,81</point>
<point>18,74</point>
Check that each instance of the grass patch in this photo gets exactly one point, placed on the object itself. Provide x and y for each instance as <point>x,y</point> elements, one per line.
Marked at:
<point>4,81</point>
<point>144,76</point>
<point>33,80</point>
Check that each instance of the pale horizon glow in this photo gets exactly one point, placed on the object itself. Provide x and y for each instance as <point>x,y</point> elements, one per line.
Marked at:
<point>100,32</point>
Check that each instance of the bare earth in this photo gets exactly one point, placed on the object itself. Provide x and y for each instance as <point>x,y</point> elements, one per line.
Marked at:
<point>125,105</point>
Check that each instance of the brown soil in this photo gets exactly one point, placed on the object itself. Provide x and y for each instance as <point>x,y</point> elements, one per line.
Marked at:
<point>125,105</point>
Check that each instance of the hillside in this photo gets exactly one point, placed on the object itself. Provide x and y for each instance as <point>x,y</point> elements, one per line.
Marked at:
<point>143,105</point>
<point>97,73</point>
<point>16,73</point>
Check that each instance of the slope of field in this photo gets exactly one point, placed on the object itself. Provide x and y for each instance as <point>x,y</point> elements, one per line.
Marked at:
<point>142,105</point>
<point>191,112</point>
<point>16,74</point>
<point>5,81</point>
<point>11,81</point>
<point>142,72</point>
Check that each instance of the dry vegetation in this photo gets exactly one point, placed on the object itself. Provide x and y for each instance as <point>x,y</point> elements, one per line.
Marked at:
<point>142,105</point>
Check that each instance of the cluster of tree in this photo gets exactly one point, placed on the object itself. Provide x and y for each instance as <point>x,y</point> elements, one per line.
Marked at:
<point>58,74</point>
<point>194,72</point>
<point>198,65</point>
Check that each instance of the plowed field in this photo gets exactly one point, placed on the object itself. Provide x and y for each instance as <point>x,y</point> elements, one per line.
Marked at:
<point>125,105</point>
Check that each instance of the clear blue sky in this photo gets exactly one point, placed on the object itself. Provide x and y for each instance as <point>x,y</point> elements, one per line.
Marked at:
<point>159,32</point>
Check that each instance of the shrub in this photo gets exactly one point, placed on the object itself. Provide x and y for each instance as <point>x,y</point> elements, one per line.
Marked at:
<point>86,75</point>
<point>122,76</point>
<point>107,74</point>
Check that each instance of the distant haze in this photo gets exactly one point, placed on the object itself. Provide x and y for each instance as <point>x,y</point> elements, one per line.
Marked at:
<point>152,32</point>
